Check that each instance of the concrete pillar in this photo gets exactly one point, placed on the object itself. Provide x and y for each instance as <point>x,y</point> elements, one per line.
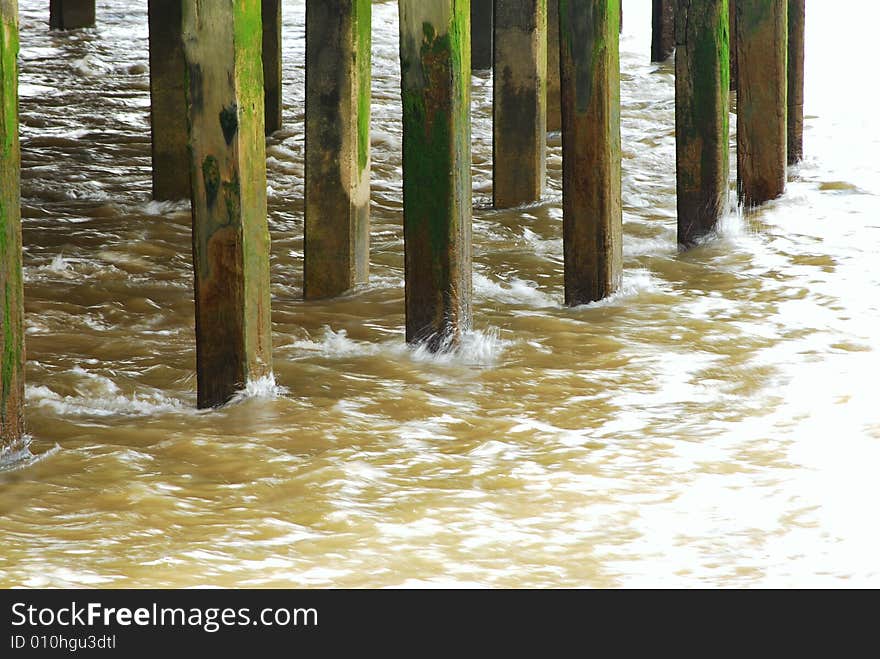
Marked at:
<point>481,34</point>
<point>168,100</point>
<point>519,142</point>
<point>591,168</point>
<point>435,67</point>
<point>762,136</point>
<point>337,223</point>
<point>662,29</point>
<point>223,47</point>
<point>272,64</point>
<point>11,288</point>
<point>733,68</point>
<point>554,110</point>
<point>702,115</point>
<point>71,14</point>
<point>795,81</point>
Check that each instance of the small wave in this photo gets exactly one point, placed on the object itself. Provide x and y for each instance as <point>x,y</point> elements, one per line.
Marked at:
<point>22,458</point>
<point>477,348</point>
<point>91,66</point>
<point>59,264</point>
<point>335,344</point>
<point>102,403</point>
<point>634,284</point>
<point>164,207</point>
<point>264,388</point>
<point>515,291</point>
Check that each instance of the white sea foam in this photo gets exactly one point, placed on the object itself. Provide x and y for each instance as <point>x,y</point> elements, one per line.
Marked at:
<point>515,291</point>
<point>634,283</point>
<point>264,388</point>
<point>477,348</point>
<point>163,207</point>
<point>59,264</point>
<point>102,401</point>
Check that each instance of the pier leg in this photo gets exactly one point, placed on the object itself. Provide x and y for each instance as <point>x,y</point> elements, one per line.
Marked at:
<point>481,34</point>
<point>795,81</point>
<point>337,224</point>
<point>520,102</point>
<point>591,168</point>
<point>733,66</point>
<point>168,100</point>
<point>702,119</point>
<point>435,87</point>
<point>11,311</point>
<point>272,64</point>
<point>662,29</point>
<point>71,14</point>
<point>554,109</point>
<point>223,45</point>
<point>762,136</point>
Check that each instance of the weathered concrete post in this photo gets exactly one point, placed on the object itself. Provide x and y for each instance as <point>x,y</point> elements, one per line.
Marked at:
<point>591,168</point>
<point>795,80</point>
<point>11,310</point>
<point>435,88</point>
<point>702,115</point>
<point>481,34</point>
<point>223,46</point>
<point>519,144</point>
<point>168,100</point>
<point>554,109</point>
<point>662,29</point>
<point>337,223</point>
<point>272,64</point>
<point>71,14</point>
<point>733,68</point>
<point>762,76</point>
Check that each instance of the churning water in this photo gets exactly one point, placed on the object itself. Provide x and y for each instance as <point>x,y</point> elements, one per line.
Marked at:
<point>713,423</point>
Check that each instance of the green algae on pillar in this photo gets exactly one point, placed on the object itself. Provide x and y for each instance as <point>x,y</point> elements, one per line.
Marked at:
<point>435,90</point>
<point>223,47</point>
<point>337,215</point>
<point>71,14</point>
<point>481,34</point>
<point>762,81</point>
<point>11,309</point>
<point>519,142</point>
<point>168,100</point>
<point>662,29</point>
<point>795,81</point>
<point>702,115</point>
<point>272,64</point>
<point>554,111</point>
<point>591,167</point>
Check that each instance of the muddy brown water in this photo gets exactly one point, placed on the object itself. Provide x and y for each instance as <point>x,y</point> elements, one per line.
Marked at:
<point>712,424</point>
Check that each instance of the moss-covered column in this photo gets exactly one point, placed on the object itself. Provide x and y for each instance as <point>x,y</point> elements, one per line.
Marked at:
<point>481,34</point>
<point>662,29</point>
<point>591,186</point>
<point>272,64</point>
<point>519,142</point>
<point>795,80</point>
<point>337,224</point>
<point>435,88</point>
<point>554,109</point>
<point>702,115</point>
<point>71,14</point>
<point>223,47</point>
<point>11,309</point>
<point>168,100</point>
<point>762,84</point>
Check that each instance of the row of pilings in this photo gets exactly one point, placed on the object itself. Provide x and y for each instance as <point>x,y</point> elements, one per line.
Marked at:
<point>215,72</point>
